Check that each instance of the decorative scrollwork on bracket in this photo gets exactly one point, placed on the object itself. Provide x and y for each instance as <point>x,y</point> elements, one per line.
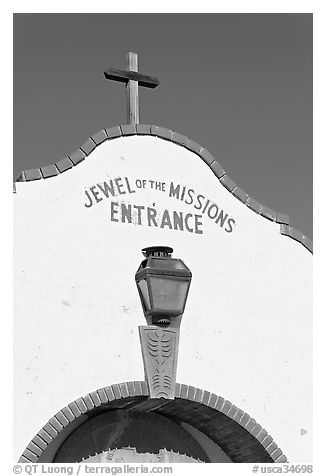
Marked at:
<point>159,350</point>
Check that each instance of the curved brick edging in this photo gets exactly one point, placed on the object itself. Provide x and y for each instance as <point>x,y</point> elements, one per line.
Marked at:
<point>239,435</point>
<point>143,129</point>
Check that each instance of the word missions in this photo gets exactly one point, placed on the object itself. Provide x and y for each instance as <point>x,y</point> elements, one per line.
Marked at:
<point>146,215</point>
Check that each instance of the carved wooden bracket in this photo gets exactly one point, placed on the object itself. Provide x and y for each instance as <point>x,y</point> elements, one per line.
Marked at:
<point>160,354</point>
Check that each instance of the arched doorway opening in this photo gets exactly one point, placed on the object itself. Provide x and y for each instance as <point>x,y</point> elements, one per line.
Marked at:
<point>120,423</point>
<point>130,436</point>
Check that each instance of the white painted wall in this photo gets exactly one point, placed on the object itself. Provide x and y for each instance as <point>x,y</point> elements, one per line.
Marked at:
<point>246,332</point>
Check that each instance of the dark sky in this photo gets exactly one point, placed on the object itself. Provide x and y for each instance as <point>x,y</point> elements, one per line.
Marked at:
<point>238,84</point>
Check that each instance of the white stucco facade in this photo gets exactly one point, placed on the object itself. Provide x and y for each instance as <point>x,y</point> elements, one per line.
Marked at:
<point>246,333</point>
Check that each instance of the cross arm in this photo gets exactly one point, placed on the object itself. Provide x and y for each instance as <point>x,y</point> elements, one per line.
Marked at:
<point>125,76</point>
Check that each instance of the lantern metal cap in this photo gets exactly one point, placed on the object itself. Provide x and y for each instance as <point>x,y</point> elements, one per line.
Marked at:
<point>158,261</point>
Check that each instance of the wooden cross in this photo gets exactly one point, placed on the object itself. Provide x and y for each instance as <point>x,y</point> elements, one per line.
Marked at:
<point>132,79</point>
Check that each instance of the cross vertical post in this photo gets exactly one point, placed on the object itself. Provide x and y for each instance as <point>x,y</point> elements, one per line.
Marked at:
<point>132,91</point>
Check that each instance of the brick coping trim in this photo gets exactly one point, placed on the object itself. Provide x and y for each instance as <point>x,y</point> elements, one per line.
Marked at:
<point>166,134</point>
<point>208,412</point>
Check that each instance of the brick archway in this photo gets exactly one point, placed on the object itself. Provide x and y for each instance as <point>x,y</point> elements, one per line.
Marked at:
<point>239,435</point>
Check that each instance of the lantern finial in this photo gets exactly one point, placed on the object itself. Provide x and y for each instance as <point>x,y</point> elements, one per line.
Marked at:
<point>157,251</point>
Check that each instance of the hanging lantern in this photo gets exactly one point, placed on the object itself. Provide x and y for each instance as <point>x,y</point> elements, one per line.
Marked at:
<point>163,284</point>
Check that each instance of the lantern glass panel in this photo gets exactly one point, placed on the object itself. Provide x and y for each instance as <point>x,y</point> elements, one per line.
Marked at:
<point>169,294</point>
<point>143,287</point>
